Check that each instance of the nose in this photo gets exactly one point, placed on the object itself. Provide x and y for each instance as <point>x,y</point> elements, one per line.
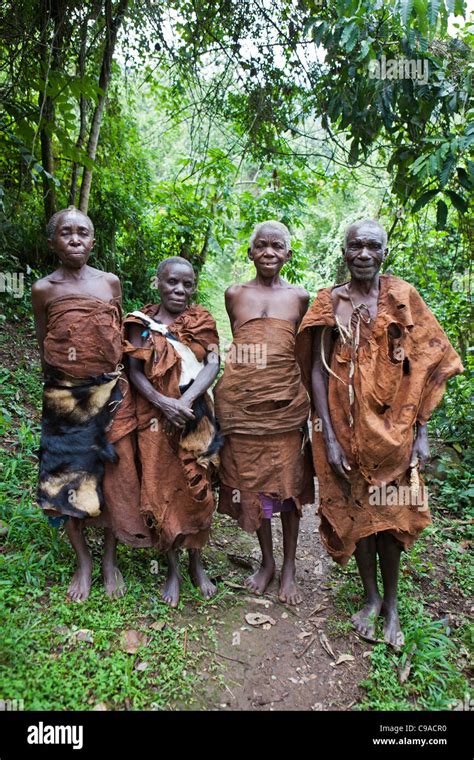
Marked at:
<point>74,239</point>
<point>364,254</point>
<point>179,290</point>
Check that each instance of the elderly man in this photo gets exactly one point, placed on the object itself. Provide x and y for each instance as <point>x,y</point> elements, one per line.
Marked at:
<point>263,408</point>
<point>379,366</point>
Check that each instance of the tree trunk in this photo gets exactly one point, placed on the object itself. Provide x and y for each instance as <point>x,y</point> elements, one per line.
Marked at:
<point>81,70</point>
<point>112,27</point>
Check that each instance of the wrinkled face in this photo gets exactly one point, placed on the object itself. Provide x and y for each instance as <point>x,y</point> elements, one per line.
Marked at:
<point>176,287</point>
<point>269,251</point>
<point>73,239</point>
<point>364,251</point>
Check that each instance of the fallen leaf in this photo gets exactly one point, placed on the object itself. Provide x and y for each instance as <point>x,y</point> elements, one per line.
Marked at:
<point>240,561</point>
<point>84,634</point>
<point>257,618</point>
<point>231,584</point>
<point>403,670</point>
<point>142,666</point>
<point>158,626</point>
<point>344,658</point>
<point>325,644</point>
<point>100,707</point>
<point>266,626</point>
<point>304,634</point>
<point>284,615</point>
<point>367,654</point>
<point>131,641</point>
<point>258,600</point>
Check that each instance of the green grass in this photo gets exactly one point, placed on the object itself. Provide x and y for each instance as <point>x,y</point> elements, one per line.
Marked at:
<point>439,661</point>
<point>42,661</point>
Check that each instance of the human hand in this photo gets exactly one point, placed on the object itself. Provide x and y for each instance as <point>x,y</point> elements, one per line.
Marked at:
<point>176,411</point>
<point>421,448</point>
<point>337,458</point>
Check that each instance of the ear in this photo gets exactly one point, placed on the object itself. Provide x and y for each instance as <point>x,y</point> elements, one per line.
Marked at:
<point>92,244</point>
<point>289,254</point>
<point>385,253</point>
<point>155,283</point>
<point>249,253</point>
<point>51,244</point>
<point>343,251</point>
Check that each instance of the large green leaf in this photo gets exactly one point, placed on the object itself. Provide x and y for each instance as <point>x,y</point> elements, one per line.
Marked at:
<point>423,199</point>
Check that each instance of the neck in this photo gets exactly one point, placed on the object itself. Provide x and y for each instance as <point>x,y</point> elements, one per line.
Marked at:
<point>74,274</point>
<point>364,287</point>
<point>167,317</point>
<point>267,282</point>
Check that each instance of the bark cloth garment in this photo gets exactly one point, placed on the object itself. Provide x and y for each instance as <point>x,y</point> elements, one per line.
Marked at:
<point>88,420</point>
<point>396,382</point>
<point>176,495</point>
<point>262,407</point>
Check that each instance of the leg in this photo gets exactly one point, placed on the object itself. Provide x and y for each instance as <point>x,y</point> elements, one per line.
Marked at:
<point>259,581</point>
<point>289,591</point>
<point>389,550</point>
<point>80,586</point>
<point>199,576</point>
<point>113,580</point>
<point>173,579</point>
<point>366,558</point>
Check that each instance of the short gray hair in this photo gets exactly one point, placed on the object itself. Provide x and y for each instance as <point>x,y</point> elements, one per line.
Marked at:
<point>279,226</point>
<point>359,222</point>
<point>172,260</point>
<point>53,222</point>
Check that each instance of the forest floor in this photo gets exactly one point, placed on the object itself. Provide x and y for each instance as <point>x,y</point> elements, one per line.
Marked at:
<point>136,653</point>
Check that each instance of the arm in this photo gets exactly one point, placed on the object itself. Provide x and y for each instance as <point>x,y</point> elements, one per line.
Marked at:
<point>421,447</point>
<point>336,457</point>
<point>204,379</point>
<point>39,314</point>
<point>115,287</point>
<point>174,409</point>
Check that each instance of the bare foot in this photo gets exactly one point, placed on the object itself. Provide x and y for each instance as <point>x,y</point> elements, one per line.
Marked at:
<point>113,581</point>
<point>366,619</point>
<point>392,632</point>
<point>199,576</point>
<point>259,581</point>
<point>80,585</point>
<point>171,588</point>
<point>289,591</point>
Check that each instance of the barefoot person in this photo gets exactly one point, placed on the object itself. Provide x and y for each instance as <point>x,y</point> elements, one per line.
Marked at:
<point>77,311</point>
<point>379,366</point>
<point>262,408</point>
<point>173,359</point>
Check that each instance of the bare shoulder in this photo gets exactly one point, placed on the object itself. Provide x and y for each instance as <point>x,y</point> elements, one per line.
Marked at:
<point>41,288</point>
<point>232,291</point>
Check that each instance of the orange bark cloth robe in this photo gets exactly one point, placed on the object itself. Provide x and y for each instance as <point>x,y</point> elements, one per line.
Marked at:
<point>262,408</point>
<point>394,383</point>
<point>176,495</point>
<point>87,407</point>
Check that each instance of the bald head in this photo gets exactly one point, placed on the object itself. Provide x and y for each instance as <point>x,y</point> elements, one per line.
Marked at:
<point>271,225</point>
<point>361,226</point>
<point>70,210</point>
<point>163,265</point>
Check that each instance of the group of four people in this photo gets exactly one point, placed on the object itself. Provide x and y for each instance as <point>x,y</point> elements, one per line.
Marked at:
<point>131,435</point>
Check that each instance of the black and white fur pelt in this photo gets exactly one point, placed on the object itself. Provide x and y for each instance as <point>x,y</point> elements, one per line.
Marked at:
<point>201,436</point>
<point>74,445</point>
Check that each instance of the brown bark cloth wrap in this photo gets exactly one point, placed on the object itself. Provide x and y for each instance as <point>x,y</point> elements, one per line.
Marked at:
<point>176,495</point>
<point>397,381</point>
<point>262,408</point>
<point>87,407</point>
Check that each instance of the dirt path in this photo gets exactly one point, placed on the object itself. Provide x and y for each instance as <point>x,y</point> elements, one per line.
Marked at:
<point>285,664</point>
